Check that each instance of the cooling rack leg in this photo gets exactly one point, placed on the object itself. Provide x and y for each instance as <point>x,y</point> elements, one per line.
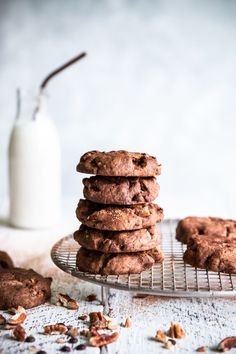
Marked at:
<point>105,292</point>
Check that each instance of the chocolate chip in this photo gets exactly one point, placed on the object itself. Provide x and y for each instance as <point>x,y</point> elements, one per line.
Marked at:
<point>142,162</point>
<point>65,348</point>
<point>73,340</point>
<point>30,339</point>
<point>80,347</point>
<point>173,342</point>
<point>41,352</point>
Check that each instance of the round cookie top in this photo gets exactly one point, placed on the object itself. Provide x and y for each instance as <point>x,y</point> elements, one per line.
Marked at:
<point>119,163</point>
<point>22,287</point>
<point>203,226</point>
<point>5,261</point>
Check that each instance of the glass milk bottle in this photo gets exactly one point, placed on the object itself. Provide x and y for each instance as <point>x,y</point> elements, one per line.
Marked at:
<point>34,168</point>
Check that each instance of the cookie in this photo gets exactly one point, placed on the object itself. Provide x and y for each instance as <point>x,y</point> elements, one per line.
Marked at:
<point>5,261</point>
<point>118,218</point>
<point>21,287</point>
<point>120,190</point>
<point>215,253</point>
<point>117,241</point>
<point>211,226</point>
<point>119,163</point>
<point>113,263</point>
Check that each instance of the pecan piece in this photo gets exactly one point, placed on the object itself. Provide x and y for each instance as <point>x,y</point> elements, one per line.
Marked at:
<point>100,321</point>
<point>202,349</point>
<point>97,320</point>
<point>73,332</point>
<point>103,339</point>
<point>66,301</point>
<point>91,297</point>
<point>19,333</point>
<point>2,320</point>
<point>18,318</point>
<point>83,317</point>
<point>161,336</point>
<point>58,328</point>
<point>128,323</point>
<point>176,331</point>
<point>227,344</point>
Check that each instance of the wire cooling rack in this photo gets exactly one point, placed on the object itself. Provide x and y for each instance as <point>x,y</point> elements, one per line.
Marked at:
<point>171,278</point>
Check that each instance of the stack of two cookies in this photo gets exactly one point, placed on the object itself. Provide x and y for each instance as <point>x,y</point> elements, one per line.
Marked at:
<point>118,233</point>
<point>211,243</point>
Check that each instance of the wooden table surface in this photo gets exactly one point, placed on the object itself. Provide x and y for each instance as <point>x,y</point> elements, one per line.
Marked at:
<point>207,321</point>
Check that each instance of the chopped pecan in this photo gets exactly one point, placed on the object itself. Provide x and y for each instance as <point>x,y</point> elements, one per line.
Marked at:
<point>66,301</point>
<point>83,317</point>
<point>176,331</point>
<point>97,320</point>
<point>103,339</point>
<point>202,349</point>
<point>2,320</point>
<point>18,318</point>
<point>91,297</point>
<point>58,328</point>
<point>100,321</point>
<point>227,344</point>
<point>161,336</point>
<point>72,332</point>
<point>127,323</point>
<point>19,333</point>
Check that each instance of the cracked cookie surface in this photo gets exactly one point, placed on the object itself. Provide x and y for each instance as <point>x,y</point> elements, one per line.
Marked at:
<point>119,163</point>
<point>214,253</point>
<point>120,190</point>
<point>122,263</point>
<point>118,218</point>
<point>117,241</point>
<point>21,287</point>
<point>203,226</point>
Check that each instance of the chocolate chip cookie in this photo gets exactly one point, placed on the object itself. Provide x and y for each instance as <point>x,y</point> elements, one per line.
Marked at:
<point>21,287</point>
<point>215,253</point>
<point>118,218</point>
<point>120,190</point>
<point>117,241</point>
<point>119,163</point>
<point>5,261</point>
<point>113,263</point>
<point>203,226</point>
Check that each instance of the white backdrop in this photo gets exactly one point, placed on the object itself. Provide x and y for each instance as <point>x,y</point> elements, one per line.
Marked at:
<point>160,77</point>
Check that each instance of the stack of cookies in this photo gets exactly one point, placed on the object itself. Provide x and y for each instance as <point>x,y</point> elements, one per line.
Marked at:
<point>118,234</point>
<point>211,242</point>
